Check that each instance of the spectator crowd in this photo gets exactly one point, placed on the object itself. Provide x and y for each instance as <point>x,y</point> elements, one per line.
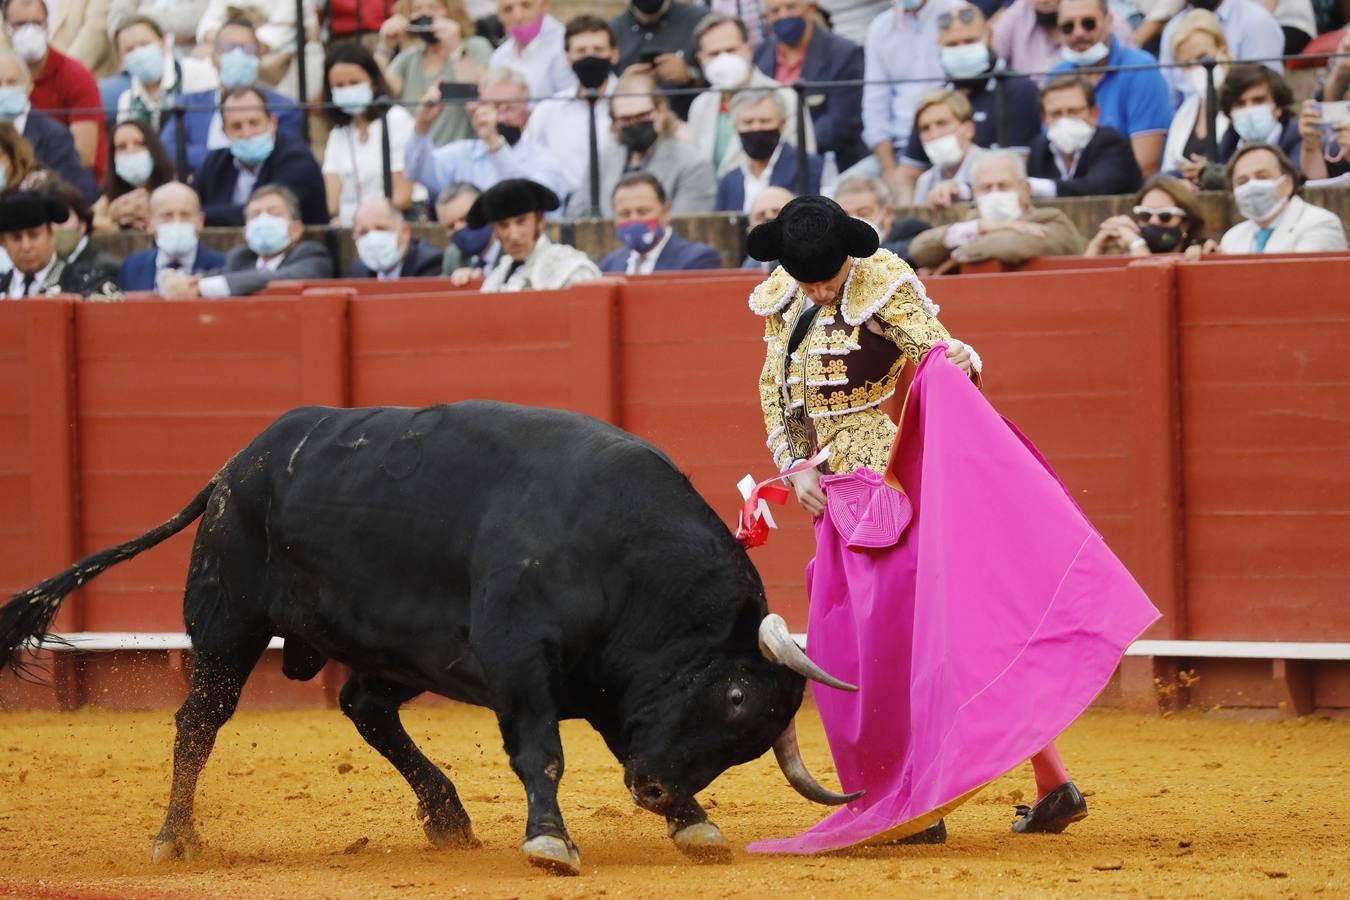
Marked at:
<point>495,120</point>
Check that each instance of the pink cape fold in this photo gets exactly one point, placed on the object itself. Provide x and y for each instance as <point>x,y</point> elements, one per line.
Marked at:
<point>976,639</point>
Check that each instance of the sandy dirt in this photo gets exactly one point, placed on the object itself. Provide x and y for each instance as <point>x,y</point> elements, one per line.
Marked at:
<point>293,804</point>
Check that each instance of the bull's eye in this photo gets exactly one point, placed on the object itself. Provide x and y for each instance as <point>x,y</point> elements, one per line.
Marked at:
<point>735,697</point>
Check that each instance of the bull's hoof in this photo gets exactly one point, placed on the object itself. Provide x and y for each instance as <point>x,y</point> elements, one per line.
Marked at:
<point>185,847</point>
<point>447,834</point>
<point>703,841</point>
<point>552,854</point>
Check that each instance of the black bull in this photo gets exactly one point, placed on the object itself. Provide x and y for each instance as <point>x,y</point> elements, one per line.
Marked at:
<point>536,562</point>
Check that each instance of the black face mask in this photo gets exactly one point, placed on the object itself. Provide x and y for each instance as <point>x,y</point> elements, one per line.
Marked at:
<point>638,137</point>
<point>648,7</point>
<point>509,133</point>
<point>1208,5</point>
<point>592,71</point>
<point>759,145</point>
<point>1161,238</point>
<point>421,26</point>
<point>1047,19</point>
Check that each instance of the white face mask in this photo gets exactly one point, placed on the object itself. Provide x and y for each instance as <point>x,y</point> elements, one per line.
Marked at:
<point>944,152</point>
<point>1089,57</point>
<point>30,42</point>
<point>727,71</point>
<point>1069,135</point>
<point>1259,200</point>
<point>1195,80</point>
<point>1000,206</point>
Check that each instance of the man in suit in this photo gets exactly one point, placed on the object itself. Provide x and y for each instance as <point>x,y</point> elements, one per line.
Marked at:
<point>1265,189</point>
<point>642,222</point>
<point>236,53</point>
<point>385,247</point>
<point>768,161</point>
<point>1076,157</point>
<point>27,234</point>
<point>89,271</point>
<point>801,50</point>
<point>258,154</point>
<point>176,222</point>
<point>50,140</point>
<point>272,251</point>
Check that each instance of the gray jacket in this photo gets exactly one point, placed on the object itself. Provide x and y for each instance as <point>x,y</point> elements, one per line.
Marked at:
<point>685,173</point>
<point>305,260</point>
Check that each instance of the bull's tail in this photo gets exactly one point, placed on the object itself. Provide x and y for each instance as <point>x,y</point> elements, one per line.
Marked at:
<point>28,616</point>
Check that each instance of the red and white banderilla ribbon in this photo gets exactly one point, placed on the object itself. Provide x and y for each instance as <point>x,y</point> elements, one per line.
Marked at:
<point>755,519</point>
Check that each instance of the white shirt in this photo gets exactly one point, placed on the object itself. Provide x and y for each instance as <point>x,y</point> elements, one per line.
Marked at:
<point>645,263</point>
<point>756,183</point>
<point>562,124</point>
<point>245,183</point>
<point>360,165</point>
<point>16,280</point>
<point>542,62</point>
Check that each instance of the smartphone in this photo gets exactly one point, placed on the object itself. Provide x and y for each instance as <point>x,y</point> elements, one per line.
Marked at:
<point>1336,112</point>
<point>452,91</point>
<point>649,54</point>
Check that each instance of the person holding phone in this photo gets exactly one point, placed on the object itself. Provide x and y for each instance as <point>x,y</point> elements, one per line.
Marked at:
<point>437,44</point>
<point>533,47</point>
<point>656,38</point>
<point>1324,122</point>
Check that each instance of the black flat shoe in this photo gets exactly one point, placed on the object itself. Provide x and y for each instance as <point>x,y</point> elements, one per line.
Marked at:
<point>933,834</point>
<point>1054,812</point>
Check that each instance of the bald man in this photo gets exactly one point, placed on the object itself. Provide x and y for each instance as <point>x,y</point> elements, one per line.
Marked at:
<point>385,247</point>
<point>764,208</point>
<point>176,225</point>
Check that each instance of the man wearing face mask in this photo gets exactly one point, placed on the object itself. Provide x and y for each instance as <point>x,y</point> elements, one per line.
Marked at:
<point>562,124</point>
<point>1006,227</point>
<point>1252,33</point>
<point>1134,102</point>
<point>470,249</point>
<point>642,223</point>
<point>157,78</point>
<point>51,142</point>
<point>89,271</point>
<point>1260,108</point>
<point>869,199</point>
<point>529,260</point>
<point>768,161</point>
<point>272,251</point>
<point>801,50</point>
<point>1026,35</point>
<point>533,47</point>
<point>236,54</point>
<point>1076,157</point>
<point>656,38</point>
<point>496,154</point>
<point>1265,189</point>
<point>724,55</point>
<point>176,223</point>
<point>259,153</point>
<point>944,125</point>
<point>385,247</point>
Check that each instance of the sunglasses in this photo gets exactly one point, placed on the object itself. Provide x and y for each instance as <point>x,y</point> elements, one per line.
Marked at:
<point>1089,23</point>
<point>965,15</point>
<point>1165,215</point>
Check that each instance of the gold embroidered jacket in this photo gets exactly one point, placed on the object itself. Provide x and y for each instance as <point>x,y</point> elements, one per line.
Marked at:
<point>829,391</point>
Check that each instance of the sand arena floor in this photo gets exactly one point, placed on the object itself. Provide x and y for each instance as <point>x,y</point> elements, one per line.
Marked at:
<point>293,804</point>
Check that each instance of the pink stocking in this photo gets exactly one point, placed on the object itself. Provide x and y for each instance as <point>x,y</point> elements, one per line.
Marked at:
<point>1049,770</point>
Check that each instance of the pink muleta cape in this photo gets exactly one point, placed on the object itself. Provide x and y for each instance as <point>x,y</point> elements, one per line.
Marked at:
<point>987,625</point>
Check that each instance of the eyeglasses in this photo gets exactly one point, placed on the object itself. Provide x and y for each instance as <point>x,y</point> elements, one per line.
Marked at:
<point>964,15</point>
<point>1165,214</point>
<point>223,47</point>
<point>1088,23</point>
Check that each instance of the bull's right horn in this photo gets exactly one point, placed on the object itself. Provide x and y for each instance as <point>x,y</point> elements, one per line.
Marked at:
<point>789,757</point>
<point>777,645</point>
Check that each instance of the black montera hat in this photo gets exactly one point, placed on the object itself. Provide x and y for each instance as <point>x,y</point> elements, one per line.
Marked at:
<point>811,238</point>
<point>512,197</point>
<point>29,209</point>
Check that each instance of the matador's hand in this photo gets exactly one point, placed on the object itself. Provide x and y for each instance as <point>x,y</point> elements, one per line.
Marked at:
<point>959,354</point>
<point>809,492</point>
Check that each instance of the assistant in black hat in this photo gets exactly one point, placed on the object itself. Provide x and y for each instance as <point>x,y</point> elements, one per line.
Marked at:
<point>26,220</point>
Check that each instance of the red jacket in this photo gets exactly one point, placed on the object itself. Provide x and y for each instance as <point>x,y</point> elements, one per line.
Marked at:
<point>342,15</point>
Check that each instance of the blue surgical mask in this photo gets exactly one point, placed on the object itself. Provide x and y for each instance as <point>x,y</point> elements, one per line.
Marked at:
<point>146,63</point>
<point>251,151</point>
<point>354,99</point>
<point>640,234</point>
<point>790,30</point>
<point>1089,57</point>
<point>965,61</point>
<point>238,69</point>
<point>176,239</point>
<point>1254,123</point>
<point>13,103</point>
<point>379,250</point>
<point>267,235</point>
<point>472,241</point>
<point>134,168</point>
<point>912,5</point>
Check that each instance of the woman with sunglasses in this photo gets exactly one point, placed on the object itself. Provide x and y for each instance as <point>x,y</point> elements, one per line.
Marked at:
<point>1165,218</point>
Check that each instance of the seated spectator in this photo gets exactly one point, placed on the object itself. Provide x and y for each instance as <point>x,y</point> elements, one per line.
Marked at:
<point>1134,102</point>
<point>140,165</point>
<point>768,159</point>
<point>469,248</point>
<point>61,86</point>
<point>22,172</point>
<point>438,44</point>
<point>644,129</point>
<point>1260,106</point>
<point>642,222</point>
<point>529,261</point>
<point>178,19</point>
<point>943,124</point>
<point>157,79</point>
<point>533,47</point>
<point>259,154</point>
<point>176,223</point>
<point>28,236</point>
<point>89,270</point>
<point>1006,227</point>
<point>1265,189</point>
<point>1199,38</point>
<point>272,251</point>
<point>724,54</point>
<point>79,29</point>
<point>562,125</point>
<point>360,111</point>
<point>1077,157</point>
<point>796,49</point>
<point>657,39</point>
<point>971,66</point>
<point>1025,35</point>
<point>1251,32</point>
<point>1323,141</point>
<point>51,143</point>
<point>276,35</point>
<point>765,208</point>
<point>1166,219</point>
<point>868,198</point>
<point>385,247</point>
<point>236,54</point>
<point>496,154</point>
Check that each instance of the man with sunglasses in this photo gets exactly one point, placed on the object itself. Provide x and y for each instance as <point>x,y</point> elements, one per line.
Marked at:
<point>1077,157</point>
<point>1134,102</point>
<point>1026,36</point>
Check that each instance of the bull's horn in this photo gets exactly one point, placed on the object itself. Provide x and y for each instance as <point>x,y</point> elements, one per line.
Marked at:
<point>789,757</point>
<point>778,646</point>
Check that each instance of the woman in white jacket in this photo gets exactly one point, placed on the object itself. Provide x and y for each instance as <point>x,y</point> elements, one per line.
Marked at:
<point>1199,37</point>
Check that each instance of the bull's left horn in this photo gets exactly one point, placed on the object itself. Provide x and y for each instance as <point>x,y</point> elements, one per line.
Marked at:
<point>777,645</point>
<point>789,757</point>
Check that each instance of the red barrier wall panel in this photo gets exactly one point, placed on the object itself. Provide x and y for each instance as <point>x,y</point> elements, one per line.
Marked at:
<point>1266,439</point>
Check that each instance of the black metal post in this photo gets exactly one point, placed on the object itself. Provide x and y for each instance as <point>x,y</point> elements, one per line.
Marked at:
<point>180,159</point>
<point>1211,112</point>
<point>301,79</point>
<point>592,98</point>
<point>382,106</point>
<point>803,166</point>
<point>1001,110</point>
